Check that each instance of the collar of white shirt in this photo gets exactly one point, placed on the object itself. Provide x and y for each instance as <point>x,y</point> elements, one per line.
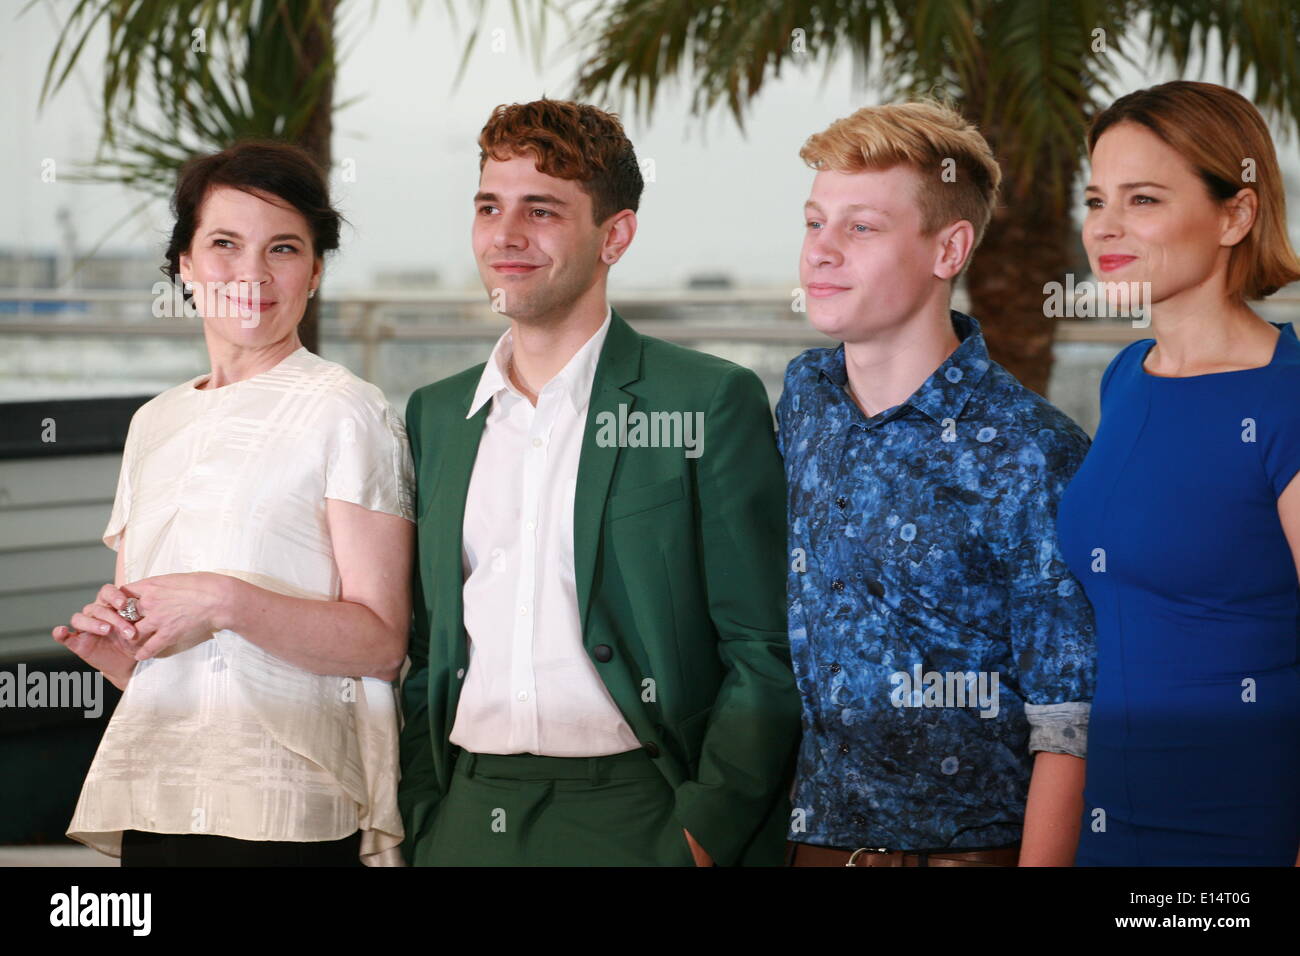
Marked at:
<point>575,379</point>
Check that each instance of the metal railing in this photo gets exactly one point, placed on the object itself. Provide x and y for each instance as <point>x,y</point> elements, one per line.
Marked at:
<point>368,319</point>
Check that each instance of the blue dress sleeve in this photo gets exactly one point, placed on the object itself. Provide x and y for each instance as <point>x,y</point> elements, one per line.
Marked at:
<point>1279,434</point>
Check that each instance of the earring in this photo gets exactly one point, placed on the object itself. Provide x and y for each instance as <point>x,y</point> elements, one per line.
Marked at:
<point>311,293</point>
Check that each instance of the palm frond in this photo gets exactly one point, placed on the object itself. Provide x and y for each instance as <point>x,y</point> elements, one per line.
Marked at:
<point>1257,44</point>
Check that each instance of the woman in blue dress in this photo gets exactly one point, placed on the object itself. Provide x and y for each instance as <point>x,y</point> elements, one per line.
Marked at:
<point>1183,524</point>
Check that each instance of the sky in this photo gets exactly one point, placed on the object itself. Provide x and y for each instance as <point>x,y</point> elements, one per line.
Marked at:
<point>720,202</point>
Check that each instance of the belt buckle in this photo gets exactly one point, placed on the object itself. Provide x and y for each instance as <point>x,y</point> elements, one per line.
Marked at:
<point>865,849</point>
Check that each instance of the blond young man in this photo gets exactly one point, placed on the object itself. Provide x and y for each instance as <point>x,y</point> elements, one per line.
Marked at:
<point>943,651</point>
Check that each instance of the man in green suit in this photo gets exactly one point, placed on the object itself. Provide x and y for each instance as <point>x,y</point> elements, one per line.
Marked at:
<point>600,673</point>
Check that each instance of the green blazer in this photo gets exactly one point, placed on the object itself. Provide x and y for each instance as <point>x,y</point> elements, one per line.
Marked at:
<point>680,566</point>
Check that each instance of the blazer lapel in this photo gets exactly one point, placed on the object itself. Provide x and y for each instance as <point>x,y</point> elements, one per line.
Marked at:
<point>619,365</point>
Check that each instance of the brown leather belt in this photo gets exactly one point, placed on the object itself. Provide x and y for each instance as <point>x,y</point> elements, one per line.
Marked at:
<point>806,854</point>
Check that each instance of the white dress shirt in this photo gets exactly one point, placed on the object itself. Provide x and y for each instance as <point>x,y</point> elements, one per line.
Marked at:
<point>530,686</point>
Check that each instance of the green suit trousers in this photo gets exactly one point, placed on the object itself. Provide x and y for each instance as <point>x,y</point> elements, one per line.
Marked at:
<point>529,810</point>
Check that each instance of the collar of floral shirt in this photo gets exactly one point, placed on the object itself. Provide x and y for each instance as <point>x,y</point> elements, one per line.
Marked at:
<point>945,393</point>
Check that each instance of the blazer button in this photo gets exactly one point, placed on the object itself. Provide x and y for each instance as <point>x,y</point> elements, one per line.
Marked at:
<point>651,748</point>
<point>604,653</point>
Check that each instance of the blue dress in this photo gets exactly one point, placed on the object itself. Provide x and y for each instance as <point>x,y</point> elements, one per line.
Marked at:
<point>1171,526</point>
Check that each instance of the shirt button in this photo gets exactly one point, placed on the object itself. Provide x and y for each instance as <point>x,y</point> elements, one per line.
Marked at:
<point>837,585</point>
<point>844,748</point>
<point>842,502</point>
<point>522,610</point>
<point>460,672</point>
<point>531,525</point>
<point>522,695</point>
<point>537,443</point>
<point>835,668</point>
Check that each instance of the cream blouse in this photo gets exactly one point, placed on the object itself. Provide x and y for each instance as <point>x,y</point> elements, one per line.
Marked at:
<point>221,737</point>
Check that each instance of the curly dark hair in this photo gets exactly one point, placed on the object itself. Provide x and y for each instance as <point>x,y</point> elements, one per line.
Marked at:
<point>572,141</point>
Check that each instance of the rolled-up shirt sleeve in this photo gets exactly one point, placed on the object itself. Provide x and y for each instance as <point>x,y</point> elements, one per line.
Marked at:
<point>1059,728</point>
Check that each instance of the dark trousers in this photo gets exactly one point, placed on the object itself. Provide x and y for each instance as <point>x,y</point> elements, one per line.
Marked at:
<point>140,848</point>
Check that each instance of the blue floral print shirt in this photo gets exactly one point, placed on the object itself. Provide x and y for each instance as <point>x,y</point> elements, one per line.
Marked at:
<point>938,638</point>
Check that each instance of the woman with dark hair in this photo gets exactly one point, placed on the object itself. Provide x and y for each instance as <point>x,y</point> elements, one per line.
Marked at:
<point>1183,523</point>
<point>263,525</point>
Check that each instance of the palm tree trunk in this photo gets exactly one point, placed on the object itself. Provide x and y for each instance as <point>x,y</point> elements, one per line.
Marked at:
<point>317,41</point>
<point>1029,242</point>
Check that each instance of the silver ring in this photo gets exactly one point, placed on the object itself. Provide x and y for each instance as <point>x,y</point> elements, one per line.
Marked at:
<point>130,612</point>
